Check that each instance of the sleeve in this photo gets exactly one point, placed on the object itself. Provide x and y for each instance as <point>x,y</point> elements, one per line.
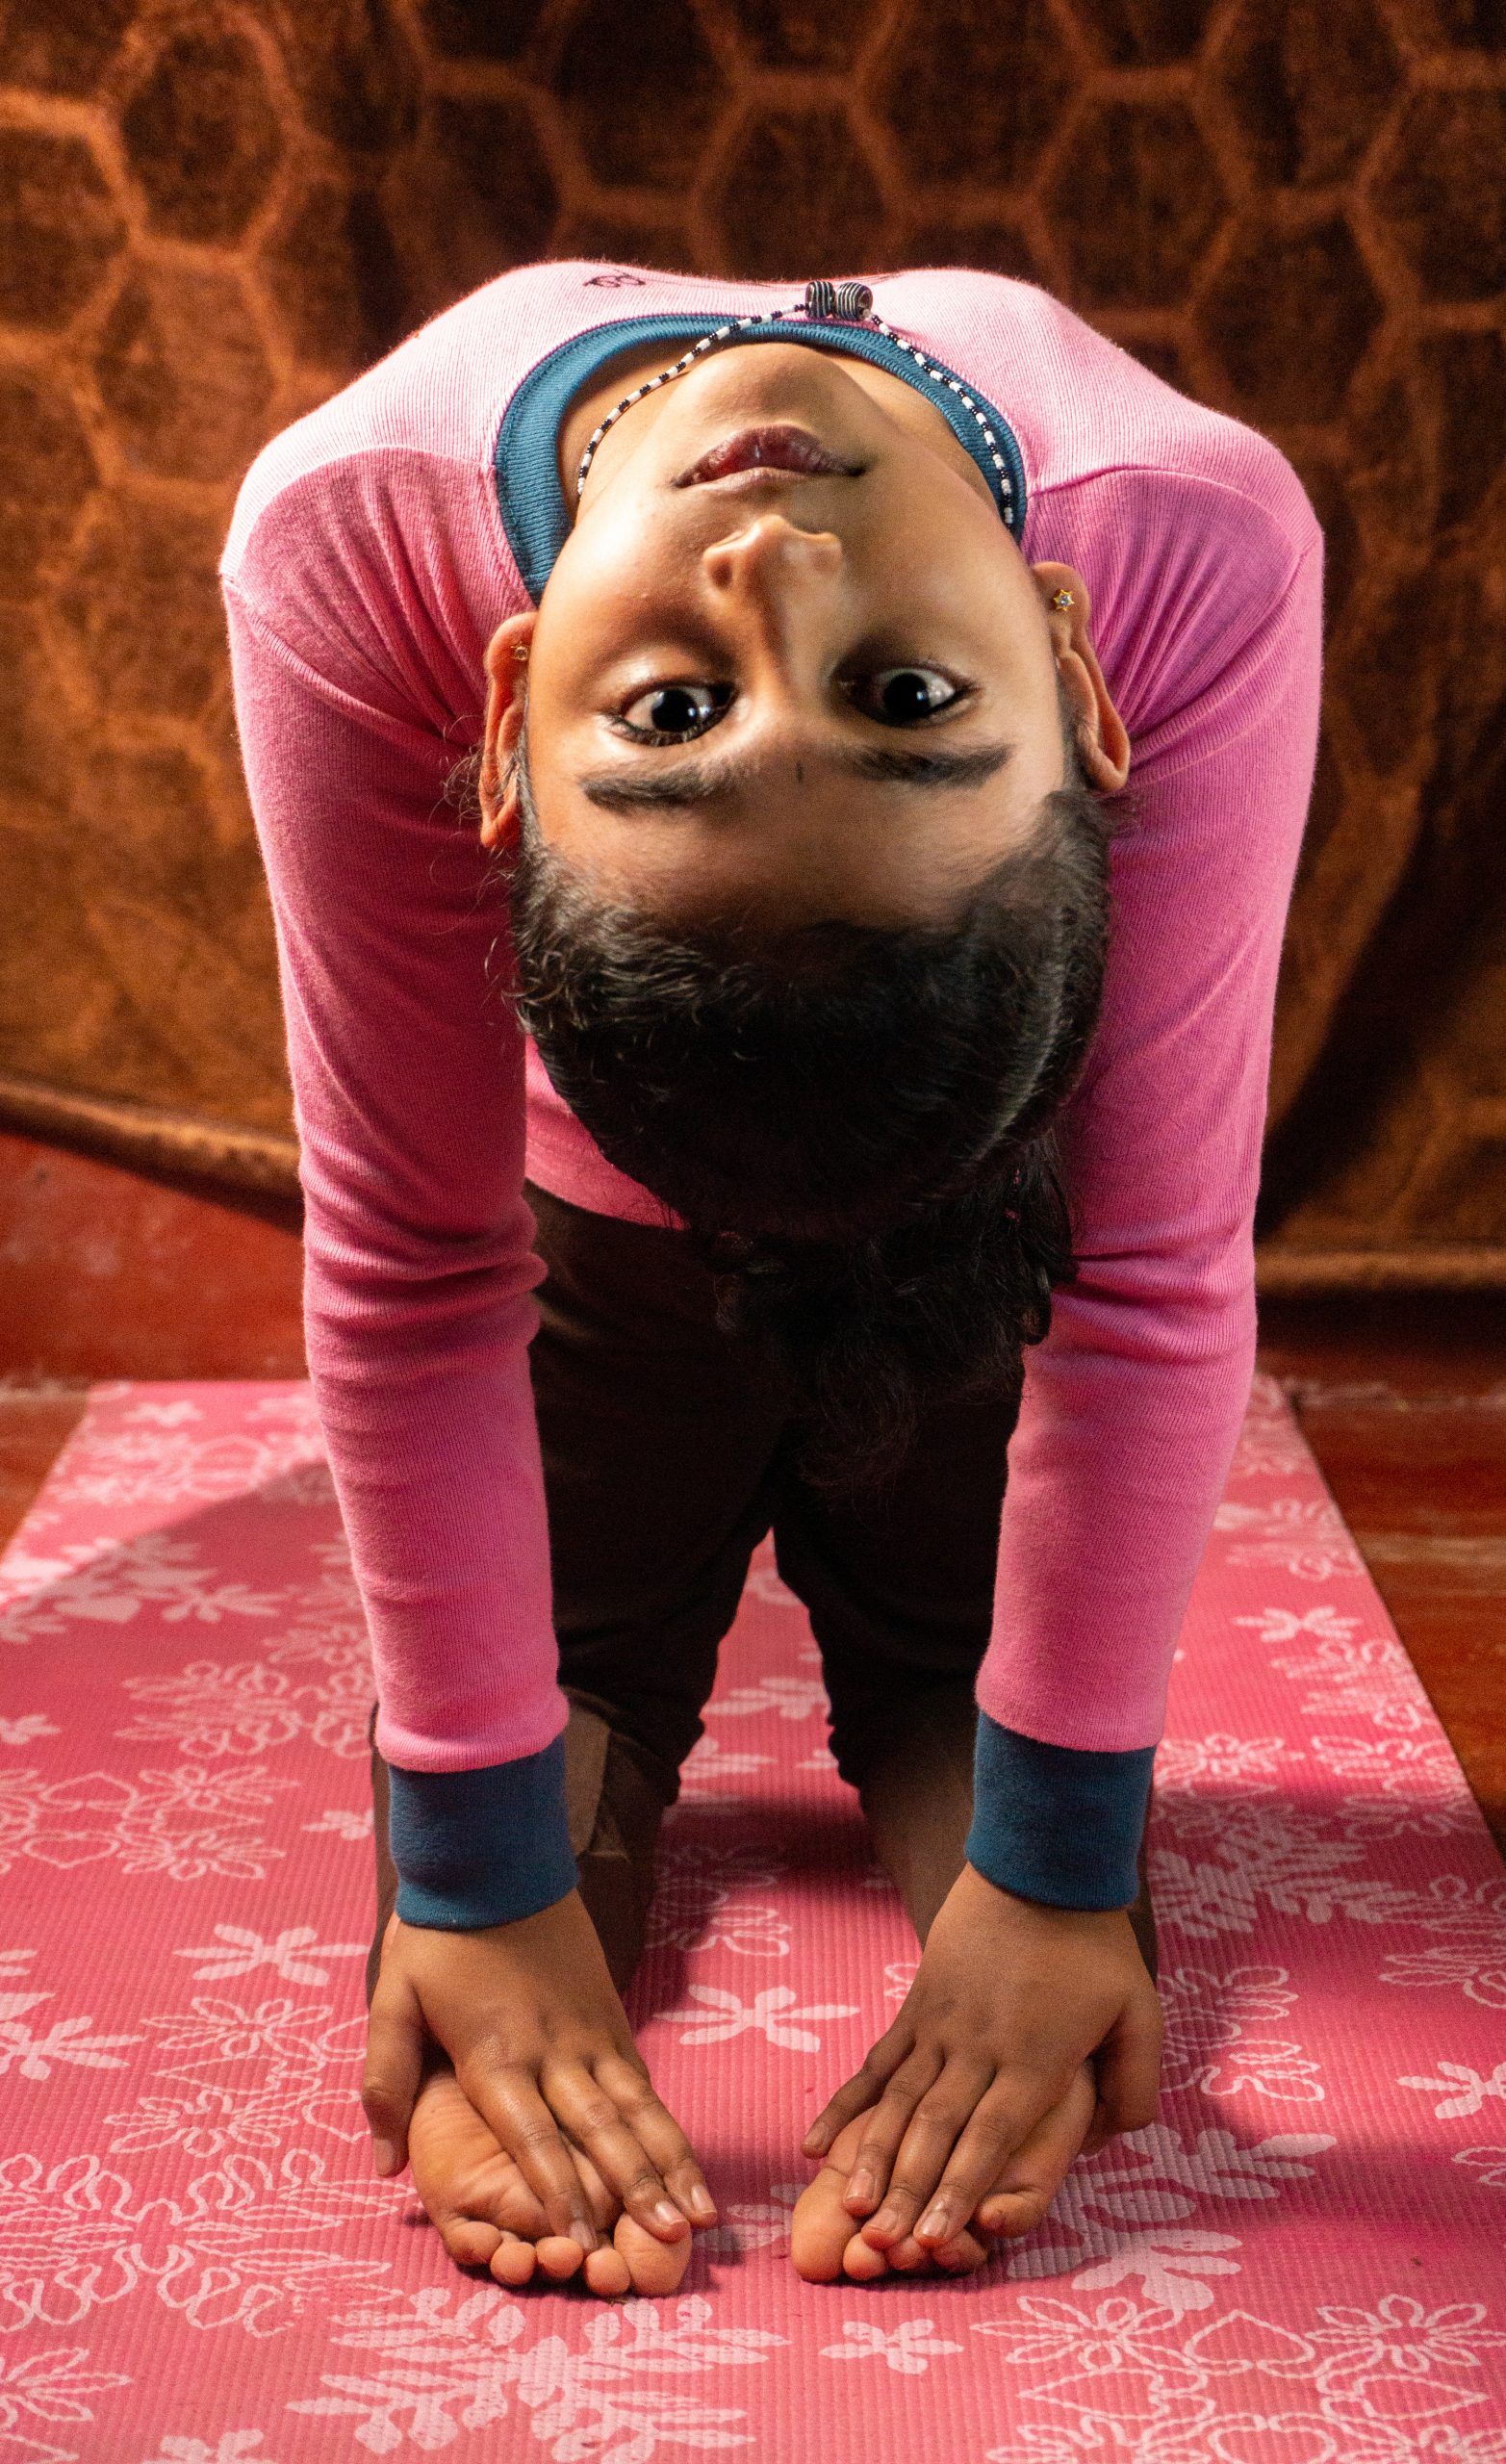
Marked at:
<point>1133,1403</point>
<point>407,1074</point>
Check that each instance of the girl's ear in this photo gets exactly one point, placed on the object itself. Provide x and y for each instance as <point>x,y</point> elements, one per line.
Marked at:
<point>1101,738</point>
<point>506,702</point>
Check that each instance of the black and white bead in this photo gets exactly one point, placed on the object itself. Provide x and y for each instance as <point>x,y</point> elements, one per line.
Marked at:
<point>853,302</point>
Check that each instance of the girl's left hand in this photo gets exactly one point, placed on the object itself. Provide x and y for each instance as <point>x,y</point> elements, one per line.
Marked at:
<point>1009,1997</point>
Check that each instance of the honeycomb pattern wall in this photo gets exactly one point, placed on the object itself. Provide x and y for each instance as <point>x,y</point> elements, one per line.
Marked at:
<point>212,215</point>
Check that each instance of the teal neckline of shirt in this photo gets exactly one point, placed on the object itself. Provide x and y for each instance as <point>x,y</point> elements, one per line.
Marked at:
<point>535,515</point>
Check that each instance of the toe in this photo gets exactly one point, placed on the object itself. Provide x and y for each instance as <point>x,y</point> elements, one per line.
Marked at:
<point>653,2265</point>
<point>962,2254</point>
<point>559,2255</point>
<point>958,2257</point>
<point>512,2260</point>
<point>862,2262</point>
<point>821,2227</point>
<point>469,2242</point>
<point>608,2272</point>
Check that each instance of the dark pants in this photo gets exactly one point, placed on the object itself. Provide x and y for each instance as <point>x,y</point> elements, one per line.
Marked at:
<point>666,1461</point>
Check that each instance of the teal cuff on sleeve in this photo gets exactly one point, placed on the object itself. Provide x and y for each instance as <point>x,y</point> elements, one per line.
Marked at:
<point>475,1848</point>
<point>1055,1823</point>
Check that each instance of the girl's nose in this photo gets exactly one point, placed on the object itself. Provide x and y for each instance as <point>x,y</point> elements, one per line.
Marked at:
<point>768,547</point>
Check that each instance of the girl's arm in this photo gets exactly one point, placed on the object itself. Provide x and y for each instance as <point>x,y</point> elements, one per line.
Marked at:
<point>1133,1402</point>
<point>407,1074</point>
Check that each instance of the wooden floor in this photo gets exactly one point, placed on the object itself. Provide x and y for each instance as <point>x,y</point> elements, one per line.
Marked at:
<point>103,1275</point>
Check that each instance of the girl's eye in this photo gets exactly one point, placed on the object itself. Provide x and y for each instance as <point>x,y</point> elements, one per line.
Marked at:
<point>903,696</point>
<point>674,713</point>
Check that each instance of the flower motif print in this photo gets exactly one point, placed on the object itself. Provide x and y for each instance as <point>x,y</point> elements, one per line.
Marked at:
<point>1214,2040</point>
<point>231,2447</point>
<point>209,1710</point>
<point>249,2243</point>
<point>788,1698</point>
<point>1460,2089</point>
<point>709,1763</point>
<point>295,1954</point>
<point>753,2224</point>
<point>66,2042</point>
<point>104,1583</point>
<point>768,1585</point>
<point>1470,1946</point>
<point>46,2389</point>
<point>1400,2333</point>
<point>699,1900</point>
<point>345,1822</point>
<point>30,1725</point>
<point>1302,1536</point>
<point>602,2391</point>
<point>184,1823</point>
<point>1183,1760</point>
<point>771,2014</point>
<point>214,2121</point>
<point>192,2159</point>
<point>910,2349</point>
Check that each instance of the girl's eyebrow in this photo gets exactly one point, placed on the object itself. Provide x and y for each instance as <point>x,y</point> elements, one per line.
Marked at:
<point>637,788</point>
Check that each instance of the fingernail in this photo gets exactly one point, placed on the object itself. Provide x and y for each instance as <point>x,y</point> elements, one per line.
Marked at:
<point>815,2139</point>
<point>886,2221</point>
<point>584,2232</point>
<point>702,2201</point>
<point>934,2223</point>
<point>667,2213</point>
<point>384,2155</point>
<point>862,2185</point>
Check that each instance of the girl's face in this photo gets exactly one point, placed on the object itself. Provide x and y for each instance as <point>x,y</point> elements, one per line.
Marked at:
<point>804,696</point>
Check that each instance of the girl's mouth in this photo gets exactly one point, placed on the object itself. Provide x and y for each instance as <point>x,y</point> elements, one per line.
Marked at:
<point>781,448</point>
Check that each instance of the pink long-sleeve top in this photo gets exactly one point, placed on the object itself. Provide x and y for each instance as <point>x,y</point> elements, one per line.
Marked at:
<point>375,547</point>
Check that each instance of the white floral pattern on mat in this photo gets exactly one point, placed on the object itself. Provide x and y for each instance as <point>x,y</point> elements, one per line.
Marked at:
<point>773,2014</point>
<point>97,1583</point>
<point>602,2391</point>
<point>184,1826</point>
<point>186,1823</point>
<point>1350,2385</point>
<point>249,2245</point>
<point>50,2389</point>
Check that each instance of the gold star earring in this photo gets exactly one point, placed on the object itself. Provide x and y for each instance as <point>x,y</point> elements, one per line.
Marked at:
<point>1063,599</point>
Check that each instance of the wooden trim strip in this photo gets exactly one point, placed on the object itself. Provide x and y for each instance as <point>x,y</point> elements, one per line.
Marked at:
<point>150,1138</point>
<point>1295,1273</point>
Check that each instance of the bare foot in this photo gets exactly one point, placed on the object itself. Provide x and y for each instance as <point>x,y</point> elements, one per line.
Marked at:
<point>489,2216</point>
<point>827,2239</point>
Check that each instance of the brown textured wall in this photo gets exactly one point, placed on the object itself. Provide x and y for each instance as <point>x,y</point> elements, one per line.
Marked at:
<point>212,215</point>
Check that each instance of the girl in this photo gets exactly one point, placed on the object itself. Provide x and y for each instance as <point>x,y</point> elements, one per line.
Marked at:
<point>869,1044</point>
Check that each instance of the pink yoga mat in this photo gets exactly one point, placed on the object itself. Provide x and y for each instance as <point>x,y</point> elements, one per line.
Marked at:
<point>1300,2263</point>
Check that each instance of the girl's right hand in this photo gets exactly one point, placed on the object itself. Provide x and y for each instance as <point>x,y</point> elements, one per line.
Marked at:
<point>528,2014</point>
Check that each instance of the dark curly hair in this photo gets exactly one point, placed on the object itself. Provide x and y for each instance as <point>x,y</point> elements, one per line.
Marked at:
<point>852,1122</point>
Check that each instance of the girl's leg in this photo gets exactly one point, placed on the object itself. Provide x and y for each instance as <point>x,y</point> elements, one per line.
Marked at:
<point>900,1590</point>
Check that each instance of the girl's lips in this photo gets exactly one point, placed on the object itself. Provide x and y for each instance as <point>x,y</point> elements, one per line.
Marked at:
<point>780,447</point>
